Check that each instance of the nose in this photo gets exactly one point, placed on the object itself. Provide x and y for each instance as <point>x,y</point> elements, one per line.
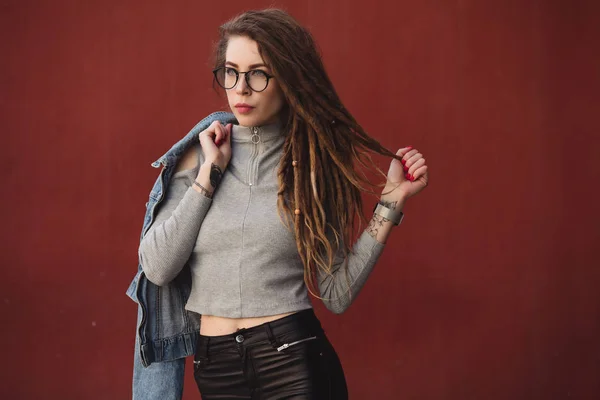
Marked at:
<point>242,86</point>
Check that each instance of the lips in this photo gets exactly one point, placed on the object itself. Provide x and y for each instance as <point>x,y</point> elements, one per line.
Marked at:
<point>244,108</point>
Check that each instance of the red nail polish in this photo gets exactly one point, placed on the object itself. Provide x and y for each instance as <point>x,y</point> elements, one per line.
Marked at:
<point>402,161</point>
<point>405,168</point>
<point>409,147</point>
<point>218,142</point>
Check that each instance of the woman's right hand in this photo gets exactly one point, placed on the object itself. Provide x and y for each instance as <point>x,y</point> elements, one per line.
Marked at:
<point>216,146</point>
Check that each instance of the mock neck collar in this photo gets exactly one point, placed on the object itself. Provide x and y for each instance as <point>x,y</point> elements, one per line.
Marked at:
<point>266,133</point>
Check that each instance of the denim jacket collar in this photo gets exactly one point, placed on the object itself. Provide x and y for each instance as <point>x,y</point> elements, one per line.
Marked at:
<point>174,153</point>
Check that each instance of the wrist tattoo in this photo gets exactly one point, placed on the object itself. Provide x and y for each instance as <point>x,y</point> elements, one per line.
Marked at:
<point>215,175</point>
<point>375,224</point>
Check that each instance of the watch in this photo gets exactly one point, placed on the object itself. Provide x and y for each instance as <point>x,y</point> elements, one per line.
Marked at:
<point>395,216</point>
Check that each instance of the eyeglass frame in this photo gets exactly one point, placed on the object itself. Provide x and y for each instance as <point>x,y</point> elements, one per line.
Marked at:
<point>237,78</point>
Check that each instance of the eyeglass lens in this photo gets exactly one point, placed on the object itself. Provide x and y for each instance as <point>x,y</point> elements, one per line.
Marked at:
<point>228,77</point>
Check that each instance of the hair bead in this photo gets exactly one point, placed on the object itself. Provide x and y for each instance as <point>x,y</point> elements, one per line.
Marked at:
<point>294,163</point>
<point>297,211</point>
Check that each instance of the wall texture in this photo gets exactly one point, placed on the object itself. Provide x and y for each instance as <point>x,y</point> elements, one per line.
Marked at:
<point>489,289</point>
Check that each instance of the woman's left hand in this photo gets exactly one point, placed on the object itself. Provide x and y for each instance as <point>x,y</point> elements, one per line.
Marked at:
<point>406,178</point>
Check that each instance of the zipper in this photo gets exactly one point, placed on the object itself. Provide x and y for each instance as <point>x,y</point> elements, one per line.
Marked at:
<point>286,345</point>
<point>250,175</point>
<point>255,136</point>
<point>252,163</point>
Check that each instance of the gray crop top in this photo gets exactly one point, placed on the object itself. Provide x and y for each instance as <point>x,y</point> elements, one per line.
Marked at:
<point>244,262</point>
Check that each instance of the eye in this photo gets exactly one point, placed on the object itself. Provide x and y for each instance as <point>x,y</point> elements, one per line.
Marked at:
<point>258,73</point>
<point>230,71</point>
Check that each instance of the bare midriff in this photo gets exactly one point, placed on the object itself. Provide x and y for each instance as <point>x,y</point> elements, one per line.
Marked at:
<point>215,326</point>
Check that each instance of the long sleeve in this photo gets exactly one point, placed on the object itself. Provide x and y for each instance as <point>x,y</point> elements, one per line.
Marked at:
<point>339,289</point>
<point>169,242</point>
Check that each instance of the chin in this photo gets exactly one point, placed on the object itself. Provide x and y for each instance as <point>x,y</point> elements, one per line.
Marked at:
<point>250,120</point>
<point>245,120</point>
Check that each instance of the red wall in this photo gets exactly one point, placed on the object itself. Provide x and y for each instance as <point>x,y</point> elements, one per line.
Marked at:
<point>489,289</point>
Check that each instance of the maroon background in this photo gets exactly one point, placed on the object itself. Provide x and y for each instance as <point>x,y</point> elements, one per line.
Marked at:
<point>489,289</point>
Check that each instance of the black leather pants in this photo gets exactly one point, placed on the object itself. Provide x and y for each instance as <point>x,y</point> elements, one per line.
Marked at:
<point>290,358</point>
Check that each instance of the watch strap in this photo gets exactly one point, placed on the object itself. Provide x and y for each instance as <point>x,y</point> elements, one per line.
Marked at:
<point>395,216</point>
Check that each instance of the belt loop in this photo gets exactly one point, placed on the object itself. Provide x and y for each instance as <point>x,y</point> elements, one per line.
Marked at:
<point>272,338</point>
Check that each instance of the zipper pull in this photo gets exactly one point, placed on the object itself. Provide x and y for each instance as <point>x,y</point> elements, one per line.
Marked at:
<point>283,347</point>
<point>255,136</point>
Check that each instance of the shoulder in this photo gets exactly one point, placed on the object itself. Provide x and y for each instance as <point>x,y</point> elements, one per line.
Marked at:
<point>190,160</point>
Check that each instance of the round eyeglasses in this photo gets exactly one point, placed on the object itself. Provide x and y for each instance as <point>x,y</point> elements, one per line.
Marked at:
<point>228,77</point>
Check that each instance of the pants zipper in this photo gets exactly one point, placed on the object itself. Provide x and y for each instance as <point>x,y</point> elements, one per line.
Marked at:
<point>286,345</point>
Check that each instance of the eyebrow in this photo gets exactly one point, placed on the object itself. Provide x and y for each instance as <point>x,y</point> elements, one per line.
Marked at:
<point>253,66</point>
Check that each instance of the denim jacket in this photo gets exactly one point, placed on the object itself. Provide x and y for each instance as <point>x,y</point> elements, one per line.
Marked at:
<point>165,330</point>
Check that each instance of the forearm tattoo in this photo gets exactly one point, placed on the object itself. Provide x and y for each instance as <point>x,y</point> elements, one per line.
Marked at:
<point>215,175</point>
<point>377,221</point>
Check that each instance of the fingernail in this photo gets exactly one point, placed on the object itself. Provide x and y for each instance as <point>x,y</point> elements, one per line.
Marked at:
<point>218,142</point>
<point>412,178</point>
<point>402,161</point>
<point>405,168</point>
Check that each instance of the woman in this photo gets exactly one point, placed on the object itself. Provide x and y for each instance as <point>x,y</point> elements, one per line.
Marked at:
<point>261,212</point>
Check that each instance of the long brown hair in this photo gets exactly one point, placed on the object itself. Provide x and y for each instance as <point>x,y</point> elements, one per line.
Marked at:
<point>319,186</point>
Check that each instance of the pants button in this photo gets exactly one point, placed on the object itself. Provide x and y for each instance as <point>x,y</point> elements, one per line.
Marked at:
<point>239,338</point>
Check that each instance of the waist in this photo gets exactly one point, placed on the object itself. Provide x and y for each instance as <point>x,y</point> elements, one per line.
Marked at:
<point>212,325</point>
<point>301,322</point>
